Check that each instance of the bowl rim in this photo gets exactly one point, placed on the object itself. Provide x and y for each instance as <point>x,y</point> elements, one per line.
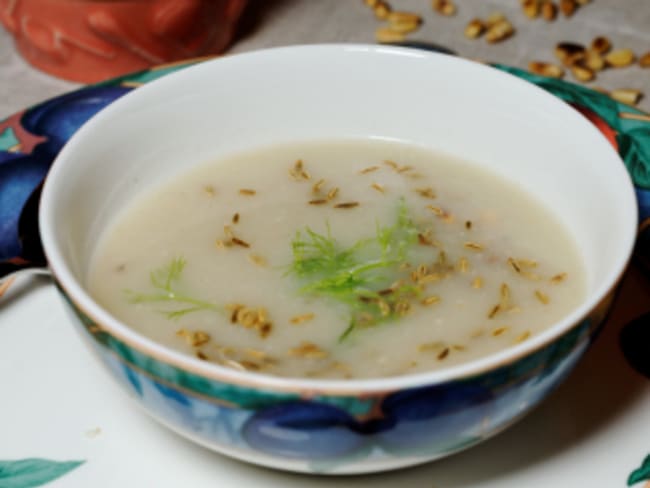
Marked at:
<point>133,339</point>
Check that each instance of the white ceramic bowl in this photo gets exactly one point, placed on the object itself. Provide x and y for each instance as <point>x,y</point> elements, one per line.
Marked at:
<point>330,92</point>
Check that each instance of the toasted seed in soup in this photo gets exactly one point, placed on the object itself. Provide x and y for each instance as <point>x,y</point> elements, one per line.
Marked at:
<point>349,259</point>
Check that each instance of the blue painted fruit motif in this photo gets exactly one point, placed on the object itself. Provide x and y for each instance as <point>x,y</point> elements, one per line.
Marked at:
<point>48,126</point>
<point>331,432</point>
<point>435,419</point>
<point>304,430</point>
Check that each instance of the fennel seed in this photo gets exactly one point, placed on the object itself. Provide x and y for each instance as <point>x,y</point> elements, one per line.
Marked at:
<point>473,246</point>
<point>239,242</point>
<point>221,244</point>
<point>317,186</point>
<point>522,337</point>
<point>430,300</point>
<point>499,331</point>
<point>426,192</point>
<point>299,319</point>
<point>392,164</point>
<point>494,311</point>
<point>402,307</point>
<point>298,172</point>
<point>431,346</point>
<point>347,205</point>
<point>250,365</point>
<point>424,240</point>
<point>308,350</point>
<point>331,195</point>
<point>558,278</point>
<point>542,297</point>
<point>384,308</point>
<point>255,353</point>
<point>369,169</point>
<point>257,259</point>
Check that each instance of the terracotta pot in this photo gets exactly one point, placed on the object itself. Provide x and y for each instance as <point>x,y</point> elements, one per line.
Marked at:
<point>92,40</point>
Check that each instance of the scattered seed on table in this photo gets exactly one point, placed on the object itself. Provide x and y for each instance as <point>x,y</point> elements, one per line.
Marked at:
<point>582,73</point>
<point>594,61</point>
<point>500,31</point>
<point>546,69</point>
<point>549,10</point>
<point>568,7</point>
<point>626,95</point>
<point>444,7</point>
<point>474,29</point>
<point>644,60</point>
<point>494,18</point>
<point>381,10</point>
<point>601,45</point>
<point>620,58</point>
<point>387,34</point>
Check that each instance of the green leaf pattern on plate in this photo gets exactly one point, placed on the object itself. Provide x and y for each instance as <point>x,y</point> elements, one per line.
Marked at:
<point>640,474</point>
<point>26,473</point>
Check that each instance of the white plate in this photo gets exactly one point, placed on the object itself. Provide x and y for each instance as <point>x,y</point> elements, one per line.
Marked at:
<point>58,403</point>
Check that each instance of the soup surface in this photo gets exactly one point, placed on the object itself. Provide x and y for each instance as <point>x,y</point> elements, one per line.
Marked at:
<point>348,259</point>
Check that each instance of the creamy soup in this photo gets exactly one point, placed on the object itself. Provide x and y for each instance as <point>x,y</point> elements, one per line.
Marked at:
<point>349,259</point>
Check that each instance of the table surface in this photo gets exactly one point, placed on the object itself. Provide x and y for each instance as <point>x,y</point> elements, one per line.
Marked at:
<point>281,22</point>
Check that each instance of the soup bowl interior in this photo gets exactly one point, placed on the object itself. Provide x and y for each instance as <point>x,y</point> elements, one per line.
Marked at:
<point>334,92</point>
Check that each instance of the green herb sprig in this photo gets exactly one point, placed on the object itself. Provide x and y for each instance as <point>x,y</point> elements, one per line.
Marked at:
<point>165,281</point>
<point>358,276</point>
